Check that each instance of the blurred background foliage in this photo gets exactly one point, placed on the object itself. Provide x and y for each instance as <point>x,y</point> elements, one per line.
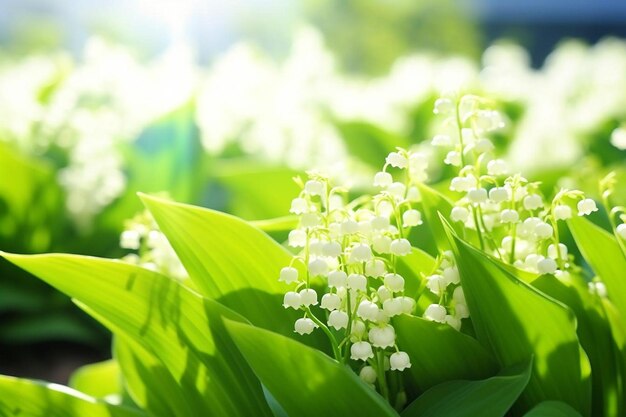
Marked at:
<point>221,104</point>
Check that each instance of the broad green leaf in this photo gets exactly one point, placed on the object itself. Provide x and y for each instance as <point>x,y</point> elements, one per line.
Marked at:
<point>413,267</point>
<point>595,337</point>
<point>516,321</point>
<point>434,203</point>
<point>491,397</point>
<point>618,328</point>
<point>305,381</point>
<point>232,262</point>
<point>180,328</point>
<point>368,142</point>
<point>439,353</point>
<point>147,380</point>
<point>248,195</point>
<point>552,409</point>
<point>98,379</point>
<point>603,253</point>
<point>24,398</point>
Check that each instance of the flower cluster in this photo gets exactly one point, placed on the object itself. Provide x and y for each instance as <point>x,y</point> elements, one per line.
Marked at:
<point>152,249</point>
<point>507,213</point>
<point>349,252</point>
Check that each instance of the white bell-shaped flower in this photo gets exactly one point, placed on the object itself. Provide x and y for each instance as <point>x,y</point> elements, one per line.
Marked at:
<point>546,266</point>
<point>392,307</point>
<point>399,361</point>
<point>318,267</point>
<point>462,184</point>
<point>394,282</point>
<point>477,195</point>
<point>562,212</point>
<point>382,244</point>
<point>357,282</point>
<point>397,160</point>
<point>436,284</point>
<point>411,218</point>
<point>299,205</point>
<point>360,253</point>
<point>367,310</point>
<point>330,302</point>
<point>331,249</point>
<point>382,337</point>
<point>451,275</point>
<point>297,238</point>
<point>443,106</point>
<point>368,375</point>
<point>533,202</point>
<point>349,227</point>
<point>586,207</point>
<point>337,279</point>
<point>435,312</point>
<point>338,319</point>
<point>308,296</point>
<point>509,216</point>
<point>461,311</point>
<point>130,239</point>
<point>380,223</point>
<point>292,299</point>
<point>384,294</point>
<point>498,194</point>
<point>397,189</point>
<point>458,295</point>
<point>361,351</point>
<point>305,326</point>
<point>441,140</point>
<point>288,275</point>
<point>375,268</point>
<point>562,252</point>
<point>453,158</point>
<point>314,187</point>
<point>459,214</point>
<point>454,322</point>
<point>621,230</point>
<point>383,179</point>
<point>543,230</point>
<point>400,247</point>
<point>497,167</point>
<point>407,304</point>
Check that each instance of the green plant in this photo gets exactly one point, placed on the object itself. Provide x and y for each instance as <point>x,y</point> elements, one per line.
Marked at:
<point>500,322</point>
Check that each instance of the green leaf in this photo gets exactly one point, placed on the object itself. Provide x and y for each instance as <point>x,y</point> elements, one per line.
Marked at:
<point>552,409</point>
<point>98,379</point>
<point>232,262</point>
<point>603,253</point>
<point>369,142</point>
<point>516,321</point>
<point>305,381</point>
<point>434,203</point>
<point>147,380</point>
<point>24,398</point>
<point>180,328</point>
<point>413,267</point>
<point>618,328</point>
<point>491,397</point>
<point>594,333</point>
<point>439,353</point>
<point>247,182</point>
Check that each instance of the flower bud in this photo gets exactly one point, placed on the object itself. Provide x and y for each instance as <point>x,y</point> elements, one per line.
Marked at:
<point>368,375</point>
